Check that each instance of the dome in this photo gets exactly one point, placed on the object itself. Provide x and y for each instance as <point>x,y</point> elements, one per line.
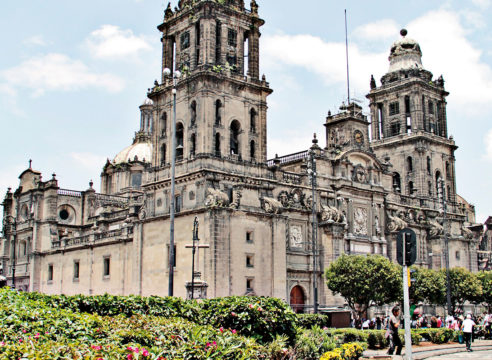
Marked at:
<point>405,54</point>
<point>147,102</point>
<point>141,150</point>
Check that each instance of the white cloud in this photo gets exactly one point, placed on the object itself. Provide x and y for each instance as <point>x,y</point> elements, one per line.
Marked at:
<point>36,40</point>
<point>53,72</point>
<point>379,30</point>
<point>323,58</point>
<point>89,160</point>
<point>468,78</point>
<point>488,145</point>
<point>446,50</point>
<point>482,4</point>
<point>111,42</point>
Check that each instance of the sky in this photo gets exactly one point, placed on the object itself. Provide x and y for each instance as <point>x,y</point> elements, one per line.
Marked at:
<point>73,74</point>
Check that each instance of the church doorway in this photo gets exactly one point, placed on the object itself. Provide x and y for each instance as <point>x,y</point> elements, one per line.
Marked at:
<point>297,299</point>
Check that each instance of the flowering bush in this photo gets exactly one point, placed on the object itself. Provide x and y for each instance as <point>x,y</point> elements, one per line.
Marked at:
<point>350,351</point>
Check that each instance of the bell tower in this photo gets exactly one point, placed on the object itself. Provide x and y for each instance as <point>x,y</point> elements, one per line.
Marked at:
<point>221,100</point>
<point>409,125</point>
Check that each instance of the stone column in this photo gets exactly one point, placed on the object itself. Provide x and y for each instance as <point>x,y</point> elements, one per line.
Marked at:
<point>254,54</point>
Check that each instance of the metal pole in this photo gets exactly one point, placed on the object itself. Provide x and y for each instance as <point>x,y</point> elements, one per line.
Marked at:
<point>195,238</point>
<point>347,55</point>
<point>406,305</point>
<point>446,250</point>
<point>173,180</point>
<point>314,230</point>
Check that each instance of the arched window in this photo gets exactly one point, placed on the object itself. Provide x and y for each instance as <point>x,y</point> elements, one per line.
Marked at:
<point>179,141</point>
<point>429,165</point>
<point>252,120</point>
<point>438,182</point>
<point>218,107</point>
<point>450,197</point>
<point>396,182</point>
<point>429,186</point>
<point>252,150</point>
<point>410,188</point>
<point>235,129</point>
<point>217,144</point>
<point>163,154</point>
<point>448,170</point>
<point>193,112</point>
<point>409,164</point>
<point>193,145</point>
<point>164,124</point>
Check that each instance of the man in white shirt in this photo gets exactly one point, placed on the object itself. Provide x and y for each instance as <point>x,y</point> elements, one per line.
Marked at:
<point>467,328</point>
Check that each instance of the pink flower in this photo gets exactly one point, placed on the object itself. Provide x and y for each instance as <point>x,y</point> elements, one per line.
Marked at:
<point>250,306</point>
<point>260,309</point>
<point>221,329</point>
<point>20,340</point>
<point>208,345</point>
<point>129,357</point>
<point>145,352</point>
<point>214,343</point>
<point>36,336</point>
<point>47,333</point>
<point>234,331</point>
<point>100,359</point>
<point>2,343</point>
<point>233,313</point>
<point>96,347</point>
<point>24,331</point>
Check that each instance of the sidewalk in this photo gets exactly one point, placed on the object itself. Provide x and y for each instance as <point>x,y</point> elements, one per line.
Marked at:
<point>424,352</point>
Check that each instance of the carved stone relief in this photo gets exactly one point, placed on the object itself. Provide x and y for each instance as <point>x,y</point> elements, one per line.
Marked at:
<point>295,236</point>
<point>360,221</point>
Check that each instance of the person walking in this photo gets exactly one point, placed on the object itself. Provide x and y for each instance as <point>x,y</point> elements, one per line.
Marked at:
<point>467,328</point>
<point>394,338</point>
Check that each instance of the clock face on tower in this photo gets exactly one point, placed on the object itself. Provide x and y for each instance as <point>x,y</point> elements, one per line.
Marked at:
<point>358,137</point>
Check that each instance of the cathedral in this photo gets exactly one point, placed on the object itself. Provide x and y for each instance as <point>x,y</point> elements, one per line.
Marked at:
<point>268,227</point>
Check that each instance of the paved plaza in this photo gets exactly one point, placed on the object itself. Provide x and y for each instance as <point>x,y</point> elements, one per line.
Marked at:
<point>474,355</point>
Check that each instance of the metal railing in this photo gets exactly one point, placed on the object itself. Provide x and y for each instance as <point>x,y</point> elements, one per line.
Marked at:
<point>289,158</point>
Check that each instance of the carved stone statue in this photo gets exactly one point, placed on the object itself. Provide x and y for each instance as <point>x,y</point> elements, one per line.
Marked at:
<point>216,198</point>
<point>436,229</point>
<point>360,174</point>
<point>283,197</point>
<point>395,223</point>
<point>332,214</point>
<point>467,233</point>
<point>237,199</point>
<point>271,205</point>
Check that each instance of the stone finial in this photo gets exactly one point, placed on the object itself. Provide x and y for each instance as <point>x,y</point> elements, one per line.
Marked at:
<point>30,164</point>
<point>263,78</point>
<point>9,190</point>
<point>53,176</point>
<point>329,112</point>
<point>373,82</point>
<point>315,140</point>
<point>254,7</point>
<point>403,32</point>
<point>169,11</point>
<point>91,183</point>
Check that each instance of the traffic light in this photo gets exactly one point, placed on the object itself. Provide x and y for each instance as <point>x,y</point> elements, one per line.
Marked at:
<point>410,249</point>
<point>406,247</point>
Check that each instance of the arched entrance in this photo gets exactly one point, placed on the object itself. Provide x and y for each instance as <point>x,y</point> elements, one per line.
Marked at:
<point>297,299</point>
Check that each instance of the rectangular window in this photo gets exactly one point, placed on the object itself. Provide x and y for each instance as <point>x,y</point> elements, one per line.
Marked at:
<point>395,129</point>
<point>250,261</point>
<point>430,108</point>
<point>249,236</point>
<point>249,284</point>
<point>50,272</point>
<point>76,270</point>
<point>218,37</point>
<point>232,38</point>
<point>185,40</point>
<point>107,266</point>
<point>394,108</point>
<point>136,180</point>
<point>177,203</point>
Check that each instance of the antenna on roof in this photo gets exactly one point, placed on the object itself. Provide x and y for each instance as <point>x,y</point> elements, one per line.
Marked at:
<point>347,56</point>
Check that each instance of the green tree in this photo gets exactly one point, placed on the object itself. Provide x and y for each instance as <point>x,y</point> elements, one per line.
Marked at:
<point>429,286</point>
<point>364,281</point>
<point>465,286</point>
<point>485,278</point>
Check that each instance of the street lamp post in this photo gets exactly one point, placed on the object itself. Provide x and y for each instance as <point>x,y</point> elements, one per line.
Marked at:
<point>446,246</point>
<point>176,75</point>
<point>312,176</point>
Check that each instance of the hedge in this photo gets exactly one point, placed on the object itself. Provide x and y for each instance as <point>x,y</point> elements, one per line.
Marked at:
<point>308,321</point>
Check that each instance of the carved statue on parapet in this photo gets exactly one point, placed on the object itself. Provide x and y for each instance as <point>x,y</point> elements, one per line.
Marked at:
<point>271,205</point>
<point>254,7</point>
<point>237,199</point>
<point>467,233</point>
<point>169,11</point>
<point>436,229</point>
<point>216,198</point>
<point>396,223</point>
<point>332,214</point>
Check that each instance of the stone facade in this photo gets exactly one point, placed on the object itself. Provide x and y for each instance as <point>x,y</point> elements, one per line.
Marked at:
<point>254,213</point>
